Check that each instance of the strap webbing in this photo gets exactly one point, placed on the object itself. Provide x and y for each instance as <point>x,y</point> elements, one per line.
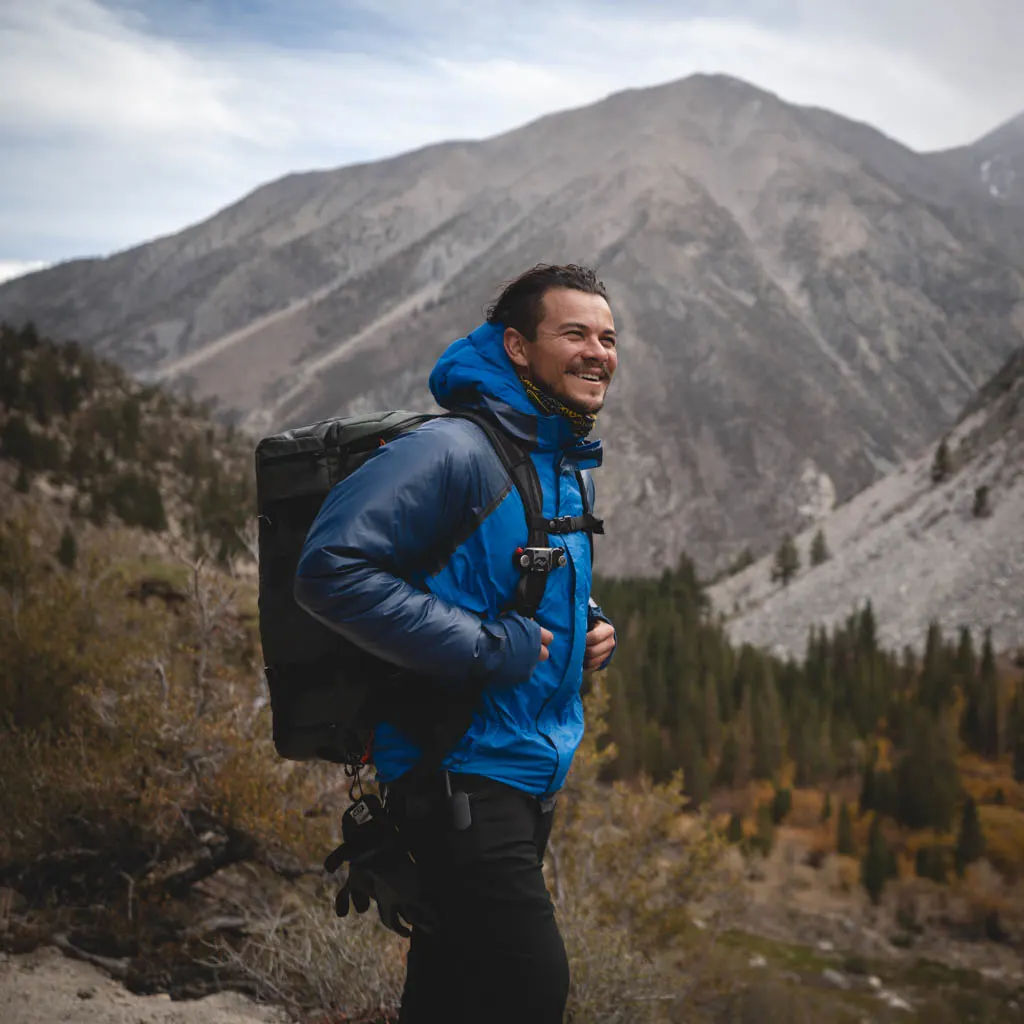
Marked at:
<point>569,524</point>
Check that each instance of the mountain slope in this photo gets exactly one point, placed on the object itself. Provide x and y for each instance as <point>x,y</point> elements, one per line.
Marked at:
<point>994,164</point>
<point>912,547</point>
<point>793,322</point>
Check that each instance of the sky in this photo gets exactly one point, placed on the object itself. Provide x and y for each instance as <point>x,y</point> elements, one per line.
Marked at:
<point>124,120</point>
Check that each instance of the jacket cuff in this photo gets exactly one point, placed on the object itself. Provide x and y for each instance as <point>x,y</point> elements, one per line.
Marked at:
<point>508,650</point>
<point>595,615</point>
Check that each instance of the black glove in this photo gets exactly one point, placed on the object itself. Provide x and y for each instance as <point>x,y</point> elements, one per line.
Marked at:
<point>380,869</point>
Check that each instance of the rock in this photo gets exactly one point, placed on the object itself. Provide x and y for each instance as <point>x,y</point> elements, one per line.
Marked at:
<point>837,978</point>
<point>825,946</point>
<point>758,961</point>
<point>86,993</point>
<point>893,1001</point>
<point>875,982</point>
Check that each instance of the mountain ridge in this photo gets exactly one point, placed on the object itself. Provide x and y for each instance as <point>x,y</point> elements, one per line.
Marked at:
<point>740,241</point>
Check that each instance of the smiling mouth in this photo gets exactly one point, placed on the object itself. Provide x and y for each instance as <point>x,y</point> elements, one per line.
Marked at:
<point>592,378</point>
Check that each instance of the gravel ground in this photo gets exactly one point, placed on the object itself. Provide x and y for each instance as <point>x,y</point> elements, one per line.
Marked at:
<point>45,987</point>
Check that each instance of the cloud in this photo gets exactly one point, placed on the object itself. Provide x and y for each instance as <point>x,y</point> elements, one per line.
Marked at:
<point>10,269</point>
<point>119,123</point>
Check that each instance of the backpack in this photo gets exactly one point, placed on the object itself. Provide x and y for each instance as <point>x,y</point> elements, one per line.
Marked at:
<point>326,694</point>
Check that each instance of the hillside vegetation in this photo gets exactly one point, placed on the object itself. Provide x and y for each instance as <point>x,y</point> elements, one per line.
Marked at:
<point>150,826</point>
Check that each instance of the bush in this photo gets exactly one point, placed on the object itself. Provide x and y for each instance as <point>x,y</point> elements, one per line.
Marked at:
<point>305,958</point>
<point>622,880</point>
<point>137,502</point>
<point>114,712</point>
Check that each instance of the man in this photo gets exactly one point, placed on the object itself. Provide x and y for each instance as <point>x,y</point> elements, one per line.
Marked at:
<point>539,368</point>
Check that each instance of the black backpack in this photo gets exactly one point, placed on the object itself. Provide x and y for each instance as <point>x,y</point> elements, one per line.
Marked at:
<point>327,695</point>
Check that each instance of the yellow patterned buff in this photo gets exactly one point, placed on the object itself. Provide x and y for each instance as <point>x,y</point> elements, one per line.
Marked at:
<point>582,422</point>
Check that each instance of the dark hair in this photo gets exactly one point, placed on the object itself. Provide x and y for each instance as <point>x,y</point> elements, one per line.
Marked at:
<point>520,305</point>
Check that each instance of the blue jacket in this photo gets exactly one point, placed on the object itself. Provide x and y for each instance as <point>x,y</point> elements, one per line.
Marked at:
<point>368,570</point>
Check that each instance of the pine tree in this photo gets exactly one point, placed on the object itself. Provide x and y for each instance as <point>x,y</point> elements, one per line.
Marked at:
<point>782,804</point>
<point>819,548</point>
<point>765,836</point>
<point>826,806</point>
<point>729,763</point>
<point>930,862</point>
<point>67,553</point>
<point>886,795</point>
<point>970,844</point>
<point>1017,736</point>
<point>787,561</point>
<point>769,746</point>
<point>867,788</point>
<point>876,866</point>
<point>927,779</point>
<point>844,832</point>
<point>942,464</point>
<point>937,683</point>
<point>712,731</point>
<point>988,701</point>
<point>734,833</point>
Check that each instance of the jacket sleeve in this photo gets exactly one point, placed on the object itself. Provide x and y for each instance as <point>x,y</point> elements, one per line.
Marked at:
<point>594,611</point>
<point>374,530</point>
<point>595,615</point>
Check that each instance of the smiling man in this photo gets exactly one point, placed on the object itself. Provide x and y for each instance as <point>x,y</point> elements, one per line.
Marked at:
<point>429,556</point>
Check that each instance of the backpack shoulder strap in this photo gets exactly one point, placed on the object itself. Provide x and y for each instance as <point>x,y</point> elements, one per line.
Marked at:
<point>536,560</point>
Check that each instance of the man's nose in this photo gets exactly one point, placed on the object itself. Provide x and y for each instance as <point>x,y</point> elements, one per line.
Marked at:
<point>595,349</point>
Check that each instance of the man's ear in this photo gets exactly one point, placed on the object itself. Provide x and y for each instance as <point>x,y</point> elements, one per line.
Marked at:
<point>515,348</point>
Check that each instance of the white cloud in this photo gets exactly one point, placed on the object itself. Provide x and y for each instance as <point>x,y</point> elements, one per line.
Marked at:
<point>113,134</point>
<point>10,269</point>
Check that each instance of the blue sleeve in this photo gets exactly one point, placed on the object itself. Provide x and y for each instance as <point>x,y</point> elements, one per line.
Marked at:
<point>375,530</point>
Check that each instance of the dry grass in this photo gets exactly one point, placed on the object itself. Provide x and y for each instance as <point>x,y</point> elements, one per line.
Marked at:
<point>300,955</point>
<point>1003,828</point>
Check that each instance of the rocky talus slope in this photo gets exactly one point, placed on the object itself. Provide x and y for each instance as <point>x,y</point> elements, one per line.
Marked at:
<point>913,546</point>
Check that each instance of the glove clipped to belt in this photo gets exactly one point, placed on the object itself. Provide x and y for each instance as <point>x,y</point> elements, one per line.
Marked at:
<point>380,869</point>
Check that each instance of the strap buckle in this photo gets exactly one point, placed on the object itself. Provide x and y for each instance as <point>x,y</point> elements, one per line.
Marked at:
<point>528,560</point>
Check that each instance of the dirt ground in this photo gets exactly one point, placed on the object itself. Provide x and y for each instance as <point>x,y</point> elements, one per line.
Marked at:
<point>46,987</point>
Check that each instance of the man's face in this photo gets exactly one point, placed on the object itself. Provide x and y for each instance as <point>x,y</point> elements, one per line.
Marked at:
<point>573,356</point>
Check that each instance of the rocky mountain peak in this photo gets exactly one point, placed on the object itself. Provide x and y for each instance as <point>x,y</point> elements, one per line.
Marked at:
<point>803,304</point>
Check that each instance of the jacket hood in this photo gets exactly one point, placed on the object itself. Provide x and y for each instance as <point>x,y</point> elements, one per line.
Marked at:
<point>476,371</point>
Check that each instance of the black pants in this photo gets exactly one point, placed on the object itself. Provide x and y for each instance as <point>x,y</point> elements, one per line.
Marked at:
<point>498,955</point>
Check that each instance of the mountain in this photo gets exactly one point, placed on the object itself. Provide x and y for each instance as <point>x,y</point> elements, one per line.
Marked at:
<point>994,164</point>
<point>794,323</point>
<point>917,549</point>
